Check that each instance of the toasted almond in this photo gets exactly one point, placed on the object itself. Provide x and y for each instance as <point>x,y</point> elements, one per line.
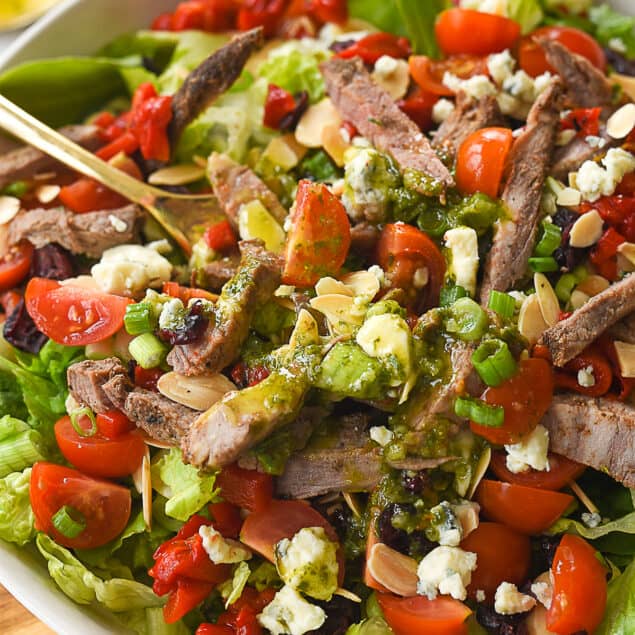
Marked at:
<point>340,311</point>
<point>137,476</point>
<point>309,129</point>
<point>305,331</point>
<point>547,299</point>
<point>396,82</point>
<point>9,207</point>
<point>349,595</point>
<point>334,143</point>
<point>531,323</point>
<point>568,197</point>
<point>327,285</point>
<point>626,82</point>
<point>47,193</point>
<point>592,285</point>
<point>284,151</point>
<point>198,392</point>
<point>587,230</point>
<point>578,299</point>
<point>626,358</point>
<point>628,251</point>
<point>480,470</point>
<point>177,174</point>
<point>394,570</point>
<point>621,122</point>
<point>467,514</point>
<point>363,283</point>
<point>353,504</point>
<point>146,489</point>
<point>157,443</point>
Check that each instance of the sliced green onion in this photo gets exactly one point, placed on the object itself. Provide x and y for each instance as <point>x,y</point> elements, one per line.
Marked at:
<point>479,412</point>
<point>467,320</point>
<point>17,189</point>
<point>494,362</point>
<point>140,318</point>
<point>20,451</point>
<point>581,273</point>
<point>565,286</point>
<point>148,350</point>
<point>501,303</point>
<point>549,241</point>
<point>432,222</point>
<point>69,521</point>
<point>76,416</point>
<point>543,264</point>
<point>450,294</point>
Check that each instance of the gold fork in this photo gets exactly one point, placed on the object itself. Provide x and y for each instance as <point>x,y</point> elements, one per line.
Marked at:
<point>180,215</point>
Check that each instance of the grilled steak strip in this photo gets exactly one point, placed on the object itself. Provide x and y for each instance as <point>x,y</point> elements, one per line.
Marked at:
<point>211,79</point>
<point>571,336</point>
<point>570,157</point>
<point>597,432</point>
<point>378,118</point>
<point>468,116</point>
<point>235,184</point>
<point>86,381</point>
<point>218,273</point>
<point>25,163</point>
<point>528,162</point>
<point>90,234</point>
<point>587,87</point>
<point>624,330</point>
<point>254,283</point>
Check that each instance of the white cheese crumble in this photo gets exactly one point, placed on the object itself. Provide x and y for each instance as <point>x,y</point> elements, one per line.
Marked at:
<point>480,595</point>
<point>290,614</point>
<point>118,225</point>
<point>476,87</point>
<point>617,44</point>
<point>381,435</point>
<point>498,7</point>
<point>595,181</point>
<point>463,245</point>
<point>222,550</point>
<point>509,600</point>
<point>385,66</point>
<point>501,66</point>
<point>586,378</point>
<point>543,592</point>
<point>446,570</point>
<point>530,452</point>
<point>591,520</point>
<point>441,110</point>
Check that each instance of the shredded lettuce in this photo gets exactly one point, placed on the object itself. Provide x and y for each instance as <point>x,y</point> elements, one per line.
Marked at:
<point>232,589</point>
<point>611,27</point>
<point>16,517</point>
<point>619,617</point>
<point>528,13</point>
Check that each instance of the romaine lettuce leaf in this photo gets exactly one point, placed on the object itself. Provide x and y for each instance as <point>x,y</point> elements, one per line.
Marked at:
<point>619,617</point>
<point>611,25</point>
<point>232,589</point>
<point>528,13</point>
<point>156,46</point>
<point>371,626</point>
<point>16,517</point>
<point>419,18</point>
<point>381,13</point>
<point>625,524</point>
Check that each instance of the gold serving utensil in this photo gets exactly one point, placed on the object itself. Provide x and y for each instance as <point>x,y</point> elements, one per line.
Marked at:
<point>180,215</point>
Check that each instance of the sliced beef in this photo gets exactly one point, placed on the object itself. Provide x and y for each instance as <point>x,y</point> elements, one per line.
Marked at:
<point>90,234</point>
<point>468,116</point>
<point>571,336</point>
<point>211,79</point>
<point>216,274</point>
<point>529,162</point>
<point>624,330</point>
<point>235,184</point>
<point>86,382</point>
<point>587,87</point>
<point>364,239</point>
<point>378,118</point>
<point>570,157</point>
<point>597,432</point>
<point>25,163</point>
<point>254,283</point>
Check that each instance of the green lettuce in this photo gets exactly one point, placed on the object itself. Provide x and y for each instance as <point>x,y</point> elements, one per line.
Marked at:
<point>381,13</point>
<point>626,524</point>
<point>185,488</point>
<point>232,589</point>
<point>156,46</point>
<point>419,18</point>
<point>20,446</point>
<point>611,25</point>
<point>528,13</point>
<point>619,617</point>
<point>11,397</point>
<point>16,517</point>
<point>371,626</point>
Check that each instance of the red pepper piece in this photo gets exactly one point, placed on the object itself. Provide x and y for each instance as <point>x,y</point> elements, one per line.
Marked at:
<point>214,629</point>
<point>151,114</point>
<point>278,105</point>
<point>126,143</point>
<point>329,10</point>
<point>585,121</point>
<point>226,519</point>
<point>162,22</point>
<point>147,378</point>
<point>418,106</point>
<point>264,13</point>
<point>602,372</point>
<point>221,236</point>
<point>113,424</point>
<point>375,45</point>
<point>604,253</point>
<point>188,595</point>
<point>248,489</point>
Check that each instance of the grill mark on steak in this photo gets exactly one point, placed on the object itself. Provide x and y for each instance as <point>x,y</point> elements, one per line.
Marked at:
<point>597,432</point>
<point>528,162</point>
<point>587,87</point>
<point>211,79</point>
<point>235,184</point>
<point>571,336</point>
<point>86,382</point>
<point>378,118</point>
<point>468,116</point>
<point>90,234</point>
<point>25,163</point>
<point>254,283</point>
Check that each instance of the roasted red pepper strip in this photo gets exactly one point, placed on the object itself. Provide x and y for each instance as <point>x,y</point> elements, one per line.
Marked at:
<point>418,106</point>
<point>151,114</point>
<point>604,253</point>
<point>590,358</point>
<point>147,377</point>
<point>376,45</point>
<point>585,121</point>
<point>221,236</point>
<point>622,386</point>
<point>187,595</point>
<point>226,519</point>
<point>248,489</point>
<point>278,105</point>
<point>264,13</point>
<point>618,211</point>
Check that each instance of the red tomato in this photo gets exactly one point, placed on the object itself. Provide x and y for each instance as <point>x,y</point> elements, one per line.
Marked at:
<point>528,510</point>
<point>503,555</point>
<point>533,61</point>
<point>329,10</point>
<point>371,47</point>
<point>319,238</point>
<point>73,316</point>
<point>214,629</point>
<point>525,397</point>
<point>467,31</point>
<point>402,250</point>
<point>226,519</point>
<point>104,505</point>
<point>481,160</point>
<point>428,73</point>
<point>561,471</point>
<point>99,455</point>
<point>579,588</point>
<point>264,13</point>
<point>278,105</point>
<point>113,424</point>
<point>418,106</point>
<point>441,616</point>
<point>15,265</point>
<point>188,595</point>
<point>249,489</point>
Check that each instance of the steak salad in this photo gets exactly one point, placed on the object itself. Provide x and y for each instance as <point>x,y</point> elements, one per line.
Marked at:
<point>390,390</point>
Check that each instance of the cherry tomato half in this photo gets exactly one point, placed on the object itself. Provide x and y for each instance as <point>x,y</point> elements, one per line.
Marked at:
<point>428,73</point>
<point>528,510</point>
<point>74,316</point>
<point>481,161</point>
<point>15,265</point>
<point>104,506</point>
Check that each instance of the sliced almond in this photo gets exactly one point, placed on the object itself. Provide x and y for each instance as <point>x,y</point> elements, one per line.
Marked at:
<point>284,151</point>
<point>536,621</point>
<point>628,251</point>
<point>569,197</point>
<point>157,443</point>
<point>626,82</point>
<point>626,358</point>
<point>592,285</point>
<point>467,514</point>
<point>396,82</point>
<point>531,323</point>
<point>363,283</point>
<point>334,143</point>
<point>47,193</point>
<point>340,311</point>
<point>480,470</point>
<point>305,331</point>
<point>394,570</point>
<point>327,285</point>
<point>621,122</point>
<point>578,299</point>
<point>177,175</point>
<point>199,392</point>
<point>146,489</point>
<point>9,207</point>
<point>587,230</point>
<point>353,503</point>
<point>44,176</point>
<point>309,129</point>
<point>349,595</point>
<point>547,299</point>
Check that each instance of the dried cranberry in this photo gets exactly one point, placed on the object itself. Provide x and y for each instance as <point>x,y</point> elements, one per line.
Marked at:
<point>388,534</point>
<point>341,45</point>
<point>192,329</point>
<point>498,624</point>
<point>340,614</point>
<point>52,262</point>
<point>619,62</point>
<point>291,119</point>
<point>415,482</point>
<point>564,218</point>
<point>420,545</point>
<point>20,331</point>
